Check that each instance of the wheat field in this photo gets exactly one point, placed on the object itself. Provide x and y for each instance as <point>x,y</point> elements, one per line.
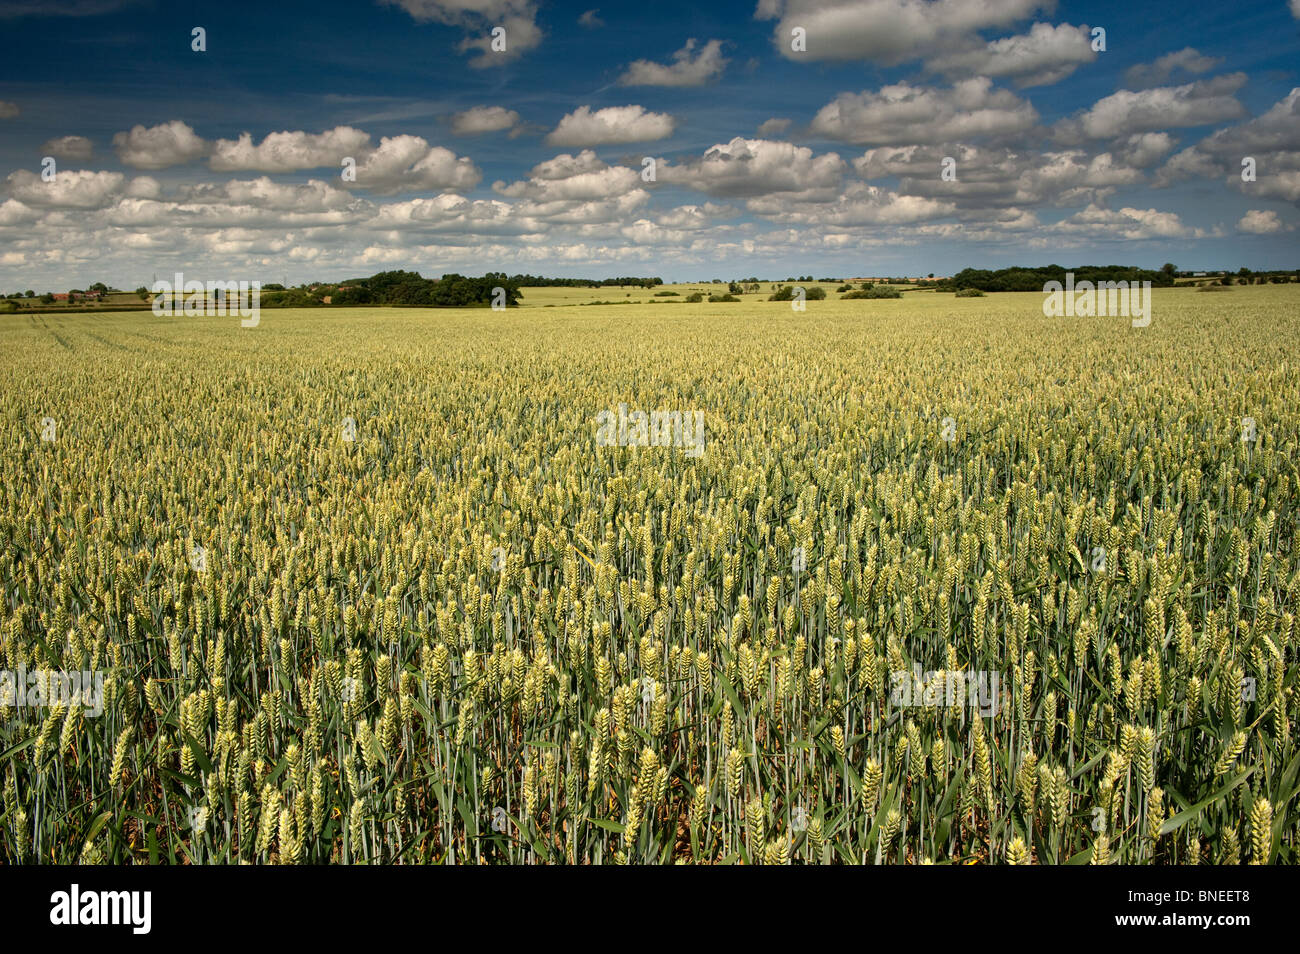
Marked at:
<point>364,587</point>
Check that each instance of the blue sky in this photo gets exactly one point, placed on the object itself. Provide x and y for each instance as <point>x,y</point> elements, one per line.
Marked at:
<point>768,160</point>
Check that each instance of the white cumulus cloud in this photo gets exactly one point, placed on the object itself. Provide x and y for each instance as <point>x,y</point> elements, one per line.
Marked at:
<point>691,66</point>
<point>70,189</point>
<point>479,17</point>
<point>611,126</point>
<point>483,119</point>
<point>1128,111</point>
<point>1044,55</point>
<point>906,114</point>
<point>408,164</point>
<point>887,31</point>
<point>288,151</point>
<point>1260,222</point>
<point>751,167</point>
<point>157,147</point>
<point>69,147</point>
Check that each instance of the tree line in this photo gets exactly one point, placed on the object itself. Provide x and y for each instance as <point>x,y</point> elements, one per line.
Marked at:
<point>540,281</point>
<point>1023,278</point>
<point>401,288</point>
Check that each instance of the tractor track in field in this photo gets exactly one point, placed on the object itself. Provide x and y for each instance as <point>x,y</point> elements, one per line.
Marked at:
<point>111,344</point>
<point>57,337</point>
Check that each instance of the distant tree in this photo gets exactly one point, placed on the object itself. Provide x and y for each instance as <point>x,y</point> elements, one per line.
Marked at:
<point>99,287</point>
<point>47,298</point>
<point>352,295</point>
<point>734,288</point>
<point>1025,279</point>
<point>786,293</point>
<point>142,293</point>
<point>29,294</point>
<point>1170,269</point>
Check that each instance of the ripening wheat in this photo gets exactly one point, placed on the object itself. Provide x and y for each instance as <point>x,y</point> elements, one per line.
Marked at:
<point>464,632</point>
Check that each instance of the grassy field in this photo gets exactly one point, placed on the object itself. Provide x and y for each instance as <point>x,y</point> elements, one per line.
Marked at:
<point>364,585</point>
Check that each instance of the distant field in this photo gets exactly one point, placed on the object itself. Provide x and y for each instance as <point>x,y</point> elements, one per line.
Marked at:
<point>553,296</point>
<point>533,297</point>
<point>369,585</point>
